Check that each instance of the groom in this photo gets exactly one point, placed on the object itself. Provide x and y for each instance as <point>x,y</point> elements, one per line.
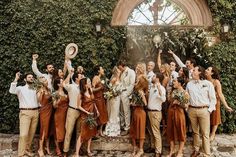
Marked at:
<point>127,79</point>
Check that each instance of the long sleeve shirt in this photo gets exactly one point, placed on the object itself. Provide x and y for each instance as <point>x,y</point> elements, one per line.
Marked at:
<point>156,98</point>
<point>39,74</point>
<point>202,93</point>
<point>128,80</point>
<point>27,97</point>
<point>73,92</point>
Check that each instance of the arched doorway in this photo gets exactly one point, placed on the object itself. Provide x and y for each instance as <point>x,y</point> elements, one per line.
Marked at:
<point>197,11</point>
<point>146,18</point>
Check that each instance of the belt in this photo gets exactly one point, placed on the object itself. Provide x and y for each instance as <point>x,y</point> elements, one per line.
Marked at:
<point>149,110</point>
<point>198,107</point>
<point>36,108</point>
<point>74,108</point>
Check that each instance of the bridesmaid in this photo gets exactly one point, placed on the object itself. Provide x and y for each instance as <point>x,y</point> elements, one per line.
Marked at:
<point>138,121</point>
<point>60,103</point>
<point>176,124</point>
<point>88,108</point>
<point>45,99</point>
<point>212,74</point>
<point>98,90</point>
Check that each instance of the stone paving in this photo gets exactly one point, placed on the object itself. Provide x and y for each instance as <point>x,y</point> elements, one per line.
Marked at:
<point>223,146</point>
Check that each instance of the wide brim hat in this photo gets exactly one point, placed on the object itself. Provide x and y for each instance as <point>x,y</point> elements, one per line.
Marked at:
<point>71,50</point>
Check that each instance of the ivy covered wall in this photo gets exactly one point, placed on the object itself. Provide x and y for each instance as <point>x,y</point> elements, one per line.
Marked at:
<point>46,27</point>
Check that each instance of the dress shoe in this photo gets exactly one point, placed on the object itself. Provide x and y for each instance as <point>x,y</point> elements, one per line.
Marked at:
<point>124,133</point>
<point>157,155</point>
<point>195,154</point>
<point>150,150</point>
<point>30,154</point>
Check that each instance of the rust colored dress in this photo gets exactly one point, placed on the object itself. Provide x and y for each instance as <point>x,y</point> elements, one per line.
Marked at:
<point>45,115</point>
<point>60,118</point>
<point>101,104</point>
<point>86,131</point>
<point>176,124</point>
<point>138,123</point>
<point>216,114</point>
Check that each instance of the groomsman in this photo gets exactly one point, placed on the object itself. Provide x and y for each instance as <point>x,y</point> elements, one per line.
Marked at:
<point>150,73</point>
<point>73,112</point>
<point>127,79</point>
<point>190,63</point>
<point>202,103</point>
<point>49,69</point>
<point>29,113</point>
<point>157,95</point>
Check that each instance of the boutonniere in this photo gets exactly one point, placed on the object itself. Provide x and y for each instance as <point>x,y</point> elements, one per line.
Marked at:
<point>203,86</point>
<point>126,73</point>
<point>155,90</point>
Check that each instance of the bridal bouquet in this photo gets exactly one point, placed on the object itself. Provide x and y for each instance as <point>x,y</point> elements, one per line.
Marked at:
<point>91,121</point>
<point>136,99</point>
<point>182,97</point>
<point>112,92</point>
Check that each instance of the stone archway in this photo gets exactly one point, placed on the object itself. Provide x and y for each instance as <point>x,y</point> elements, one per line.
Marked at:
<point>197,10</point>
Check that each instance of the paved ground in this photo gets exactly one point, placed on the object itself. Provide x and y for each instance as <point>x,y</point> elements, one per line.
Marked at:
<point>223,146</point>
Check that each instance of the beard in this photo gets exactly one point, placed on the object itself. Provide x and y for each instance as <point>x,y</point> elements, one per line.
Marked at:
<point>29,82</point>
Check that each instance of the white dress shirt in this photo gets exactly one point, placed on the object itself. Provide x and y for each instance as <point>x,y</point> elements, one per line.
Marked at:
<point>202,93</point>
<point>73,93</point>
<point>39,74</point>
<point>27,97</point>
<point>156,99</point>
<point>150,76</point>
<point>127,79</point>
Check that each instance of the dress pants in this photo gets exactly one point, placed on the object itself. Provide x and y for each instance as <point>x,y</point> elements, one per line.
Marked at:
<point>155,121</point>
<point>126,109</point>
<point>200,119</point>
<point>72,118</point>
<point>28,125</point>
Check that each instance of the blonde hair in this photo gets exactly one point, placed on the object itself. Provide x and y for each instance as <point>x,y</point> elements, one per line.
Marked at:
<point>141,69</point>
<point>166,67</point>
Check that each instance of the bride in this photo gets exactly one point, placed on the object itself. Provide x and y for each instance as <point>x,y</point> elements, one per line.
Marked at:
<point>113,105</point>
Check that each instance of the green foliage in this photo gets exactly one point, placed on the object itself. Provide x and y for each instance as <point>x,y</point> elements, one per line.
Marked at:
<point>223,57</point>
<point>46,27</point>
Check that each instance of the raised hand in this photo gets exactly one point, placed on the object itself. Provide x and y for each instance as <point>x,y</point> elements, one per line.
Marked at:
<point>170,51</point>
<point>35,56</point>
<point>17,76</point>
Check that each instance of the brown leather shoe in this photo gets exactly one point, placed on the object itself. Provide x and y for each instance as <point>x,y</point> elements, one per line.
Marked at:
<point>195,154</point>
<point>157,155</point>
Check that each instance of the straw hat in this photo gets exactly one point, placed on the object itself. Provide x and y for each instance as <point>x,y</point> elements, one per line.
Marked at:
<point>71,50</point>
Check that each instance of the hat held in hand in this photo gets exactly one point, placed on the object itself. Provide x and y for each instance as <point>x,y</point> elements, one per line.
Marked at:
<point>71,50</point>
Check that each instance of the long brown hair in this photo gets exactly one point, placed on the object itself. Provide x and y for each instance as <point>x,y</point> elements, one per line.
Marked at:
<point>82,86</point>
<point>142,84</point>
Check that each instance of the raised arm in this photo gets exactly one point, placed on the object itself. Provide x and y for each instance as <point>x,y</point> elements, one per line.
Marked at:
<point>34,66</point>
<point>221,95</point>
<point>13,89</point>
<point>67,80</point>
<point>159,59</point>
<point>177,59</point>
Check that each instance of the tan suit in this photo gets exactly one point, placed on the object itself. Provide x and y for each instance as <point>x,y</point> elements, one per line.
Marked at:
<point>127,82</point>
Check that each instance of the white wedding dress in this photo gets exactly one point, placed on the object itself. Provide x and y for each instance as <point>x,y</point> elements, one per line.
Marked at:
<point>113,106</point>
